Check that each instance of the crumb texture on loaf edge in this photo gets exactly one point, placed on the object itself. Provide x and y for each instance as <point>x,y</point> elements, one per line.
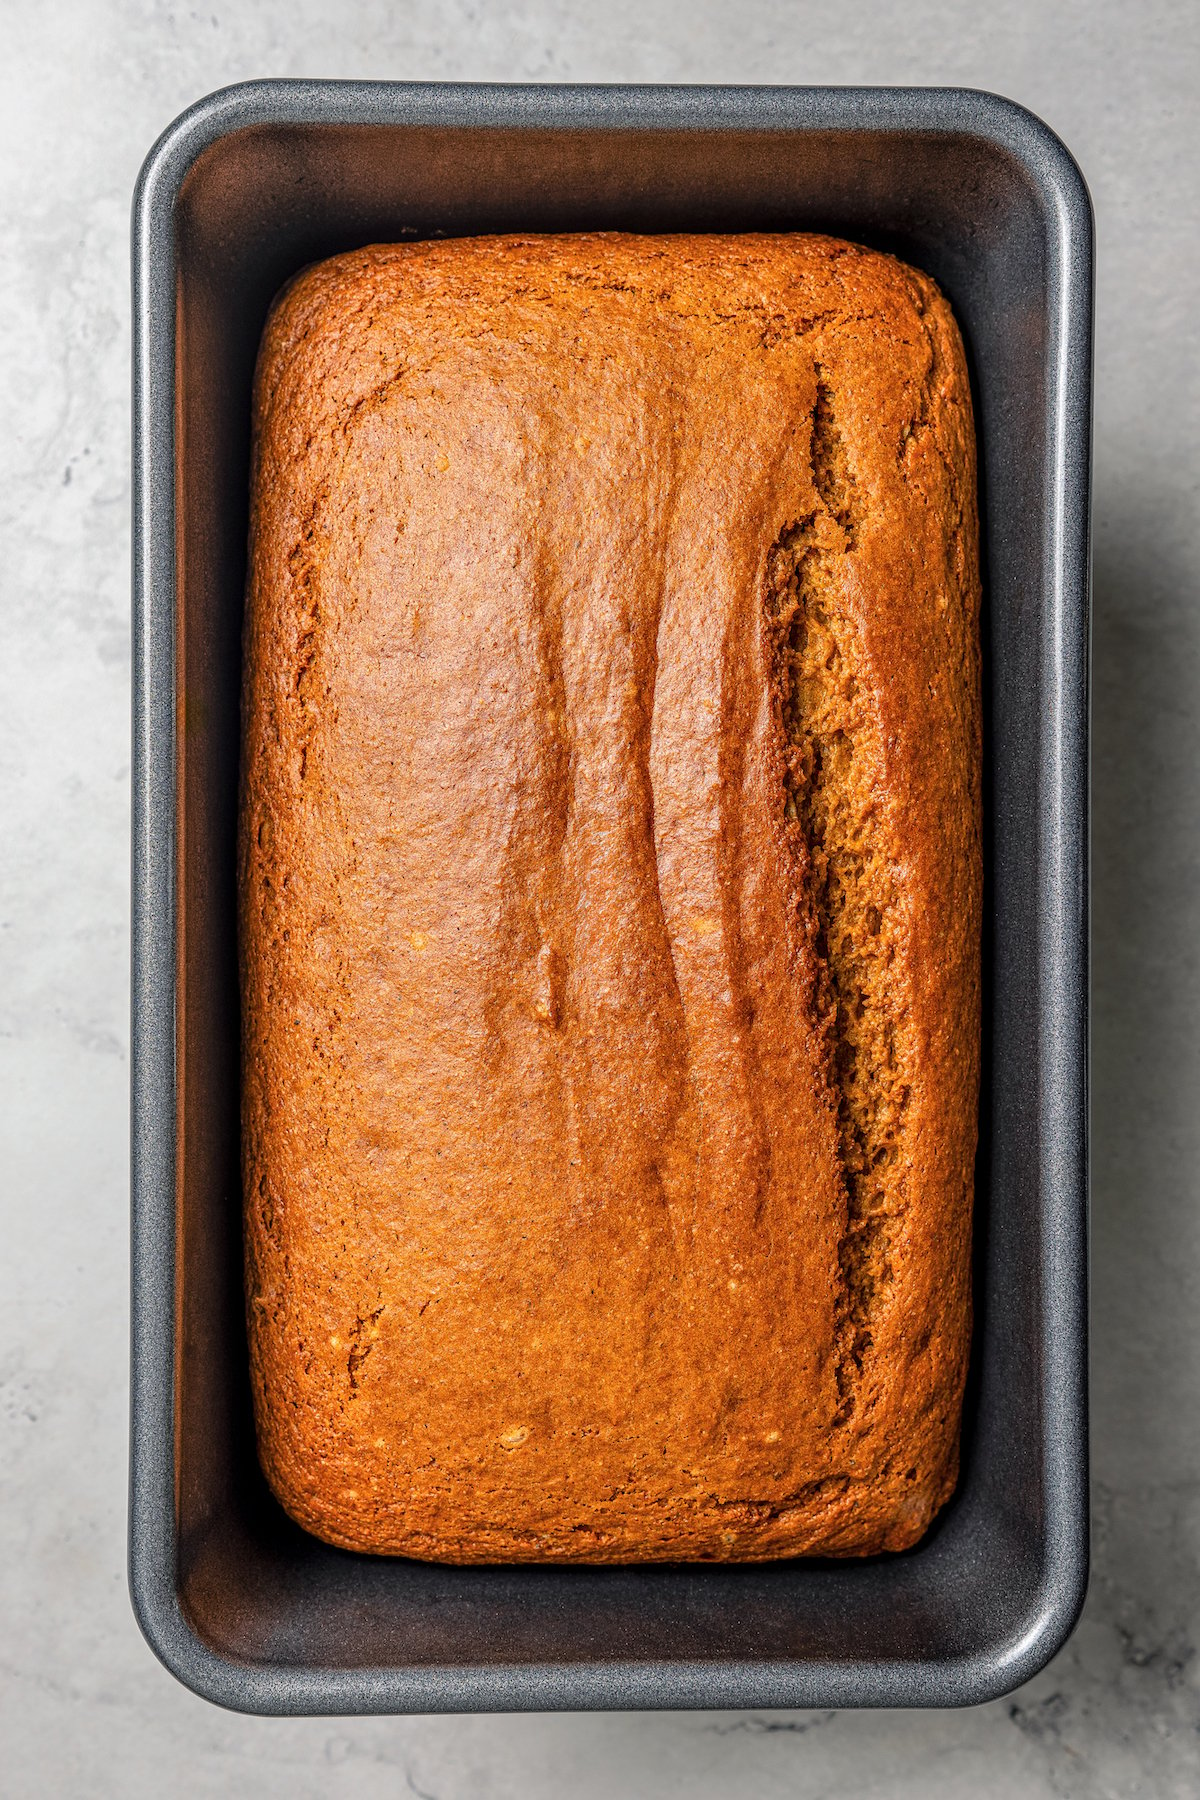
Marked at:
<point>830,803</point>
<point>854,820</point>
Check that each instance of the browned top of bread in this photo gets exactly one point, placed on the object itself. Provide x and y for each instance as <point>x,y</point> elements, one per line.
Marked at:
<point>611,898</point>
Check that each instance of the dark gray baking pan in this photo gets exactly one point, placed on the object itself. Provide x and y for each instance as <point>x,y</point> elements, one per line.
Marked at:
<point>243,190</point>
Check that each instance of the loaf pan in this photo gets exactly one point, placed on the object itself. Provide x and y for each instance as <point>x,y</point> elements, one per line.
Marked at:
<point>246,188</point>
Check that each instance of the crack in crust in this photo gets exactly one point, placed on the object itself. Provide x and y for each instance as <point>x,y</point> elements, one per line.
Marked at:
<point>362,1334</point>
<point>831,818</point>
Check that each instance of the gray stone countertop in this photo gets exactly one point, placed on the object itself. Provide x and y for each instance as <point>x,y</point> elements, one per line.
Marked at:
<point>85,1710</point>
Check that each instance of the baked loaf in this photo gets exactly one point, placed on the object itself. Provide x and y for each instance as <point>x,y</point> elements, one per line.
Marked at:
<point>610,887</point>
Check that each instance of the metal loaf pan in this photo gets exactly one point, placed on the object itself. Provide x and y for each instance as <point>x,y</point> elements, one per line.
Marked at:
<point>243,190</point>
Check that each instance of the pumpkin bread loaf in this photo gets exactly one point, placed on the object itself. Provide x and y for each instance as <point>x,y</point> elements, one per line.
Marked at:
<point>610,898</point>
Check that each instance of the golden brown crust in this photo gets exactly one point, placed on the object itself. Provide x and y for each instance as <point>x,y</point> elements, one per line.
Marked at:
<point>611,898</point>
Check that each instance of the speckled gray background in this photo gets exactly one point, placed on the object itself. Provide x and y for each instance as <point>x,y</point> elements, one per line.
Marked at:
<point>85,1711</point>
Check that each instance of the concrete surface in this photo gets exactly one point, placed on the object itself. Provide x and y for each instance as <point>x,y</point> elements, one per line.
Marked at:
<point>84,1709</point>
